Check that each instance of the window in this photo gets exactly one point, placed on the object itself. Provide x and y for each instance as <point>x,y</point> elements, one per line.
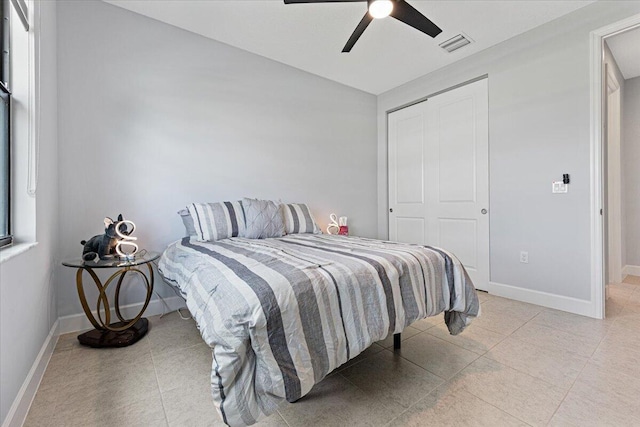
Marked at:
<point>9,77</point>
<point>5,139</point>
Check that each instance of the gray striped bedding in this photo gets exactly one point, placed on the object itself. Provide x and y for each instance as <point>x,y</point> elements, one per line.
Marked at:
<point>280,314</point>
<point>298,219</point>
<point>217,221</point>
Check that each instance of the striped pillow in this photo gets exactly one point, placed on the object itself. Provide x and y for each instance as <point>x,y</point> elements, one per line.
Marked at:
<point>298,219</point>
<point>217,221</point>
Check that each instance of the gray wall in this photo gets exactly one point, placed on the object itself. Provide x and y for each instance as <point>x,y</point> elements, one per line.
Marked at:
<point>27,292</point>
<point>630,170</point>
<point>538,130</point>
<point>153,117</point>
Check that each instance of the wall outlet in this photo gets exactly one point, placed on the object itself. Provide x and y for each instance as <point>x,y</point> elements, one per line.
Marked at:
<point>524,257</point>
<point>559,187</point>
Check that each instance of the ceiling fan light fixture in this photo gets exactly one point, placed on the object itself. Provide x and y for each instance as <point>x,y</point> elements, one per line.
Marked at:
<point>380,8</point>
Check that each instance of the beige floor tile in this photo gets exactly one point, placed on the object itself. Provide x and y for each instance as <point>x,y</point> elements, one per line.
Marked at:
<point>429,322</point>
<point>57,371</point>
<point>529,399</point>
<point>635,296</point>
<point>633,303</point>
<point>484,296</point>
<point>188,367</point>
<point>191,407</point>
<point>42,407</point>
<point>629,318</point>
<point>559,368</point>
<point>613,307</point>
<point>389,378</point>
<point>628,284</point>
<point>114,384</point>
<point>474,338</point>
<point>633,280</point>
<point>407,333</point>
<point>87,365</point>
<point>576,411</point>
<point>619,293</point>
<point>368,352</point>
<point>145,410</point>
<point>171,333</point>
<point>273,420</point>
<point>435,355</point>
<point>449,406</point>
<point>621,336</point>
<point>337,402</point>
<point>67,342</point>
<point>572,323</point>
<point>194,407</point>
<point>551,338</point>
<point>610,388</point>
<point>504,316</point>
<point>523,378</point>
<point>619,351</point>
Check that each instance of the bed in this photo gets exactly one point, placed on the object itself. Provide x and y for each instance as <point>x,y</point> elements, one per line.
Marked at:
<point>282,313</point>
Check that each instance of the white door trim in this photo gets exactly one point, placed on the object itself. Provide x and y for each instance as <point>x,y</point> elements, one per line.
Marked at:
<point>596,145</point>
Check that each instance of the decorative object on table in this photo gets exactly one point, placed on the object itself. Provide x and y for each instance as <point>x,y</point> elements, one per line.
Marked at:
<point>333,227</point>
<point>344,229</point>
<point>124,233</point>
<point>126,331</point>
<point>103,246</point>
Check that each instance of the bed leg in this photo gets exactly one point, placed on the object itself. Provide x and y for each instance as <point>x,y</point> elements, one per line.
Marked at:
<point>397,341</point>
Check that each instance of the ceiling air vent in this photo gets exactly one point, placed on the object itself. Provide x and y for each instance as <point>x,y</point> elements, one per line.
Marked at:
<point>455,43</point>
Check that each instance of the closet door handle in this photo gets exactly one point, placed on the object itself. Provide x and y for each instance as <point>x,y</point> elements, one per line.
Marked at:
<point>483,211</point>
<point>391,210</point>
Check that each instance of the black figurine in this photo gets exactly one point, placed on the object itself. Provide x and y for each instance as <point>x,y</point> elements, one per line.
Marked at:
<point>103,245</point>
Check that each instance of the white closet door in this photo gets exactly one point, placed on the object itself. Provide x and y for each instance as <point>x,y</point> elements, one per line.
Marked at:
<point>452,171</point>
<point>407,220</point>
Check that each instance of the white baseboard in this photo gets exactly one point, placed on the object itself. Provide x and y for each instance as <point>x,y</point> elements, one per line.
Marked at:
<point>79,322</point>
<point>21,404</point>
<point>633,270</point>
<point>545,299</point>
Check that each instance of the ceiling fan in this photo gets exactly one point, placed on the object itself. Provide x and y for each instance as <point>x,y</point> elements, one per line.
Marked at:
<point>377,9</point>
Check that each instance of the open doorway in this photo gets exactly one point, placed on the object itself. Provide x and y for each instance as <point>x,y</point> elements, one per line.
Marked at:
<point>622,139</point>
<point>621,175</point>
<point>616,154</point>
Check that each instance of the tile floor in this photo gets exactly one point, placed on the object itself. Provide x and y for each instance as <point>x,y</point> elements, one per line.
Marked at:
<point>518,364</point>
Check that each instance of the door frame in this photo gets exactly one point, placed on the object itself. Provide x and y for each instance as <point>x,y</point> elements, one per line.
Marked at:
<point>597,93</point>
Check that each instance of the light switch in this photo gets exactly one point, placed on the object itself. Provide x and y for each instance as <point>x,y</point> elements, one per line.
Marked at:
<point>559,187</point>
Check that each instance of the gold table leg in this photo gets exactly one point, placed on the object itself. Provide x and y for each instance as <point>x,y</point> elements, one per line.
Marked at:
<point>103,326</point>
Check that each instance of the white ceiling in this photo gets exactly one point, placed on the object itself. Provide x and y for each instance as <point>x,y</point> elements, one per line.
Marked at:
<point>625,48</point>
<point>311,36</point>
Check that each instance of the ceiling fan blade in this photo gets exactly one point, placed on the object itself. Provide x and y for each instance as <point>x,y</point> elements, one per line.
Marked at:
<point>404,12</point>
<point>364,23</point>
<point>318,1</point>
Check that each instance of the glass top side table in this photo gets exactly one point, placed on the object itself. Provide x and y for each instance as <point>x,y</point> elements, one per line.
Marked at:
<point>125,331</point>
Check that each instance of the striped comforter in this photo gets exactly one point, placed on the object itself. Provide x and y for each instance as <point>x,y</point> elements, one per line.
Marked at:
<point>280,314</point>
